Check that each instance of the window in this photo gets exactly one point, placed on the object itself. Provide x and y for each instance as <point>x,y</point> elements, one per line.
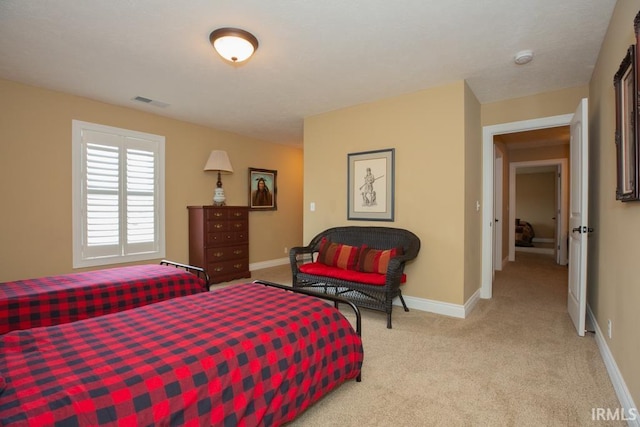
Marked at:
<point>118,195</point>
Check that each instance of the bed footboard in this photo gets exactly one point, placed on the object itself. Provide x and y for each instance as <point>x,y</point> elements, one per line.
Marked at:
<point>200,272</point>
<point>336,300</point>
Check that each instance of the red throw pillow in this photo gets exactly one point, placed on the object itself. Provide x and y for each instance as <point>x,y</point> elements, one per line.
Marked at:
<point>337,255</point>
<point>375,260</point>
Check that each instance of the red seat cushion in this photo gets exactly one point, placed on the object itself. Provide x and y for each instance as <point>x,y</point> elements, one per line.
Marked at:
<point>319,269</point>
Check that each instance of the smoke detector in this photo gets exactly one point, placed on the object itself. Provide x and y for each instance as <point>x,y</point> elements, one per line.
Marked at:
<point>523,57</point>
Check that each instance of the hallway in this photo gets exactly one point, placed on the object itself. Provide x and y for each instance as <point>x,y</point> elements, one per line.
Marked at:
<point>533,279</point>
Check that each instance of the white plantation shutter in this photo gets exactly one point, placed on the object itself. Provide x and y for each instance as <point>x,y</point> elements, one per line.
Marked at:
<point>118,195</point>
<point>140,176</point>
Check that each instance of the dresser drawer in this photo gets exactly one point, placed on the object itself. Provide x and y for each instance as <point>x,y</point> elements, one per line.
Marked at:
<point>231,267</point>
<point>226,253</point>
<point>215,214</point>
<point>226,238</point>
<point>220,238</point>
<point>220,225</point>
<point>227,214</point>
<point>216,225</point>
<point>238,214</point>
<point>242,237</point>
<point>238,225</point>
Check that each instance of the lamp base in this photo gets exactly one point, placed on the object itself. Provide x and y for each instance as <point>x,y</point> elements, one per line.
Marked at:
<point>218,197</point>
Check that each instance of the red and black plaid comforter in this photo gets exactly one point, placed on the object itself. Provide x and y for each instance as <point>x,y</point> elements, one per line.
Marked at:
<point>244,355</point>
<point>66,298</point>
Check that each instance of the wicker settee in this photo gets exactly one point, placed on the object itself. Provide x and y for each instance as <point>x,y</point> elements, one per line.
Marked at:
<point>364,287</point>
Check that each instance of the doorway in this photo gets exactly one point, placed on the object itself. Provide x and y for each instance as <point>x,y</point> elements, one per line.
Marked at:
<point>488,218</point>
<point>557,208</point>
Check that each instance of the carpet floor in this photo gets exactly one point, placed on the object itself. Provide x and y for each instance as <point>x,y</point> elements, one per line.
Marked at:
<point>516,360</point>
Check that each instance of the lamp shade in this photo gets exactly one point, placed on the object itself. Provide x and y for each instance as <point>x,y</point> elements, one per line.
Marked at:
<point>218,161</point>
<point>233,44</point>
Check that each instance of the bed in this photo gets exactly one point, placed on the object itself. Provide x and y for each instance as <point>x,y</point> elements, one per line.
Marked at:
<point>53,300</point>
<point>524,233</point>
<point>248,354</point>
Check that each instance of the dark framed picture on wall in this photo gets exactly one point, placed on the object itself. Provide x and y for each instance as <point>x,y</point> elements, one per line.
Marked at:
<point>370,185</point>
<point>626,137</point>
<point>263,189</point>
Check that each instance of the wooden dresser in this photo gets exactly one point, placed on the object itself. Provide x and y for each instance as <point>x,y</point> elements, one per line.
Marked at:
<point>219,241</point>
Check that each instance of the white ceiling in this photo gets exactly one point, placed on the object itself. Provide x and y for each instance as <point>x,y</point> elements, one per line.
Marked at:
<point>314,56</point>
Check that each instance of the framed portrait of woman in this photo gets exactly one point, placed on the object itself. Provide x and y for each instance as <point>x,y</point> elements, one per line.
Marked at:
<point>263,189</point>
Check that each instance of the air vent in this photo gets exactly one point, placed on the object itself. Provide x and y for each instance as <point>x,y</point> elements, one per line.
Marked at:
<point>142,99</point>
<point>150,101</point>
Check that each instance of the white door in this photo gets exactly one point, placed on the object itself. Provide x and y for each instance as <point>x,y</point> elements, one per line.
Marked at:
<point>578,218</point>
<point>497,211</point>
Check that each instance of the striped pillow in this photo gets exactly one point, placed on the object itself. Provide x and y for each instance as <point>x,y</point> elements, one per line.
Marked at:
<point>375,260</point>
<point>338,255</point>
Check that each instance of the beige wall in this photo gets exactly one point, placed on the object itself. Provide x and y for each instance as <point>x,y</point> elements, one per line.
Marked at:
<point>433,193</point>
<point>472,194</point>
<point>613,279</point>
<point>35,179</point>
<point>547,104</point>
<point>540,153</point>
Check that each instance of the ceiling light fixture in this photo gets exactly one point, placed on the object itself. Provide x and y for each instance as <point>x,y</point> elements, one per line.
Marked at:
<point>523,57</point>
<point>234,44</point>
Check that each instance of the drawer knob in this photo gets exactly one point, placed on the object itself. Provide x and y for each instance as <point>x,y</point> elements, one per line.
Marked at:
<point>218,225</point>
<point>218,269</point>
<point>238,214</point>
<point>218,214</point>
<point>218,254</point>
<point>237,252</point>
<point>237,266</point>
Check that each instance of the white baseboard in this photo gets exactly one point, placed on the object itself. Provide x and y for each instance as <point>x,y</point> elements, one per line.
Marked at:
<point>267,264</point>
<point>542,240</point>
<point>471,303</point>
<point>422,304</point>
<point>439,307</point>
<point>624,396</point>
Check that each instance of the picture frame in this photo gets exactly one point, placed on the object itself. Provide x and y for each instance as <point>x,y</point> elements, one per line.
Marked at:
<point>370,185</point>
<point>263,189</point>
<point>626,134</point>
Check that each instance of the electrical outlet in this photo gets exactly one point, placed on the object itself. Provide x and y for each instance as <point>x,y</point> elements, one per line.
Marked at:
<point>286,250</point>
<point>609,328</point>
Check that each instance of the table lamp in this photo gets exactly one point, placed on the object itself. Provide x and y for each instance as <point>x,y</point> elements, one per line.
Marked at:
<point>218,161</point>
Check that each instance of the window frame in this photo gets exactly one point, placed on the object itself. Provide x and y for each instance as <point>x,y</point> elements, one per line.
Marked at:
<point>155,143</point>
